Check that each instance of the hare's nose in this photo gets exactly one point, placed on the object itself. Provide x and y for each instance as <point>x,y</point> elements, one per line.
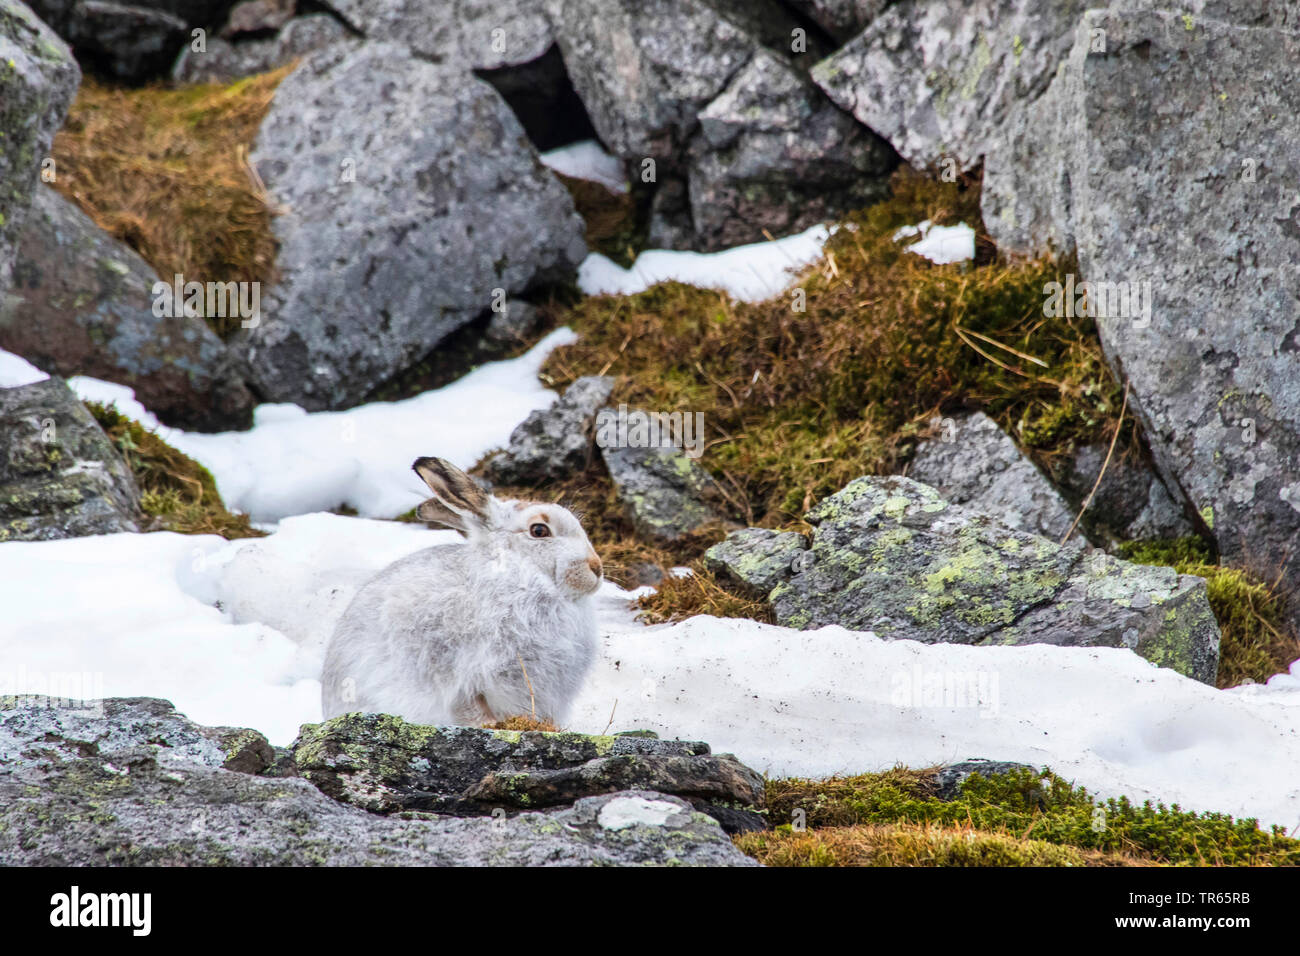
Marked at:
<point>593,562</point>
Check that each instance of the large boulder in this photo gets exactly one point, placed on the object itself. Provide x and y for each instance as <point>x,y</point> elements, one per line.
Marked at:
<point>975,462</point>
<point>38,79</point>
<point>60,476</point>
<point>477,34</point>
<point>129,782</point>
<point>890,555</point>
<point>939,81</point>
<point>395,231</point>
<point>664,492</point>
<point>82,304</point>
<point>130,41</point>
<point>774,156</point>
<point>383,764</point>
<point>1205,227</point>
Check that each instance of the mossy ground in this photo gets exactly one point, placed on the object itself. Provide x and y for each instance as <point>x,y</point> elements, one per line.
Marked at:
<point>1257,639</point>
<point>166,171</point>
<point>1017,819</point>
<point>175,490</point>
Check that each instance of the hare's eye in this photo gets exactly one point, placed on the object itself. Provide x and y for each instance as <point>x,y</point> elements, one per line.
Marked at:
<point>539,530</point>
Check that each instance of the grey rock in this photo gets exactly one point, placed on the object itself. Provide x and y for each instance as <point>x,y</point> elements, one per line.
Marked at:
<point>139,785</point>
<point>376,271</point>
<point>1131,503</point>
<point>667,495</point>
<point>670,225</point>
<point>40,79</point>
<point>81,304</point>
<point>774,156</point>
<point>645,68</point>
<point>385,765</point>
<point>975,462</point>
<point>477,34</point>
<point>940,80</point>
<point>256,16</point>
<point>950,778</point>
<point>553,442</point>
<point>756,560</point>
<point>842,19</point>
<point>60,476</point>
<point>224,61</point>
<point>1214,362</point>
<point>891,556</point>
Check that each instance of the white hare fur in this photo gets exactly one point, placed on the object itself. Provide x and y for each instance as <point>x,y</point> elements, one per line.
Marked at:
<point>445,635</point>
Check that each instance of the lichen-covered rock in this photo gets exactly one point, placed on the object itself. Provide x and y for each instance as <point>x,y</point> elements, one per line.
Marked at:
<point>38,79</point>
<point>939,80</point>
<point>774,156</point>
<point>223,61</point>
<point>755,560</point>
<point>975,462</point>
<point>891,556</point>
<point>1206,231</point>
<point>384,764</point>
<point>131,782</point>
<point>949,778</point>
<point>81,305</point>
<point>553,442</point>
<point>60,476</point>
<point>477,34</point>
<point>666,494</point>
<point>397,232</point>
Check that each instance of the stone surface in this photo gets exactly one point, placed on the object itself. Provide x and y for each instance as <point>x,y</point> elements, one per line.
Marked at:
<point>553,442</point>
<point>386,765</point>
<point>891,556</point>
<point>975,462</point>
<point>666,494</point>
<point>256,16</point>
<point>842,19</point>
<point>479,34</point>
<point>60,476</point>
<point>81,304</point>
<point>224,61</point>
<point>38,79</point>
<point>1131,502</point>
<point>1207,226</point>
<point>130,782</point>
<point>949,778</point>
<point>397,232</point>
<point>774,156</point>
<point>756,560</point>
<point>940,80</point>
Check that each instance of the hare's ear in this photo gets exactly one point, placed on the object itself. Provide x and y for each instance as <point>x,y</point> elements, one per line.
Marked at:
<point>457,503</point>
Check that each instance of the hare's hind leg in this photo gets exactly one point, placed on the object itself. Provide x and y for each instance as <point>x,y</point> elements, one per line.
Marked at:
<point>473,712</point>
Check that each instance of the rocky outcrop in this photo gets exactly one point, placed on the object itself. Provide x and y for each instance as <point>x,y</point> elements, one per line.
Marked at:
<point>60,476</point>
<point>395,232</point>
<point>553,442</point>
<point>38,79</point>
<point>130,41</point>
<point>975,462</point>
<point>131,782</point>
<point>223,60</point>
<point>385,765</point>
<point>940,81</point>
<point>1191,253</point>
<point>81,304</point>
<point>891,556</point>
<point>774,156</point>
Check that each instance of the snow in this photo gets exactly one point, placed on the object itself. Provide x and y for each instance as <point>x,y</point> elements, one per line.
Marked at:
<point>295,462</point>
<point>588,160</point>
<point>623,812</point>
<point>940,244</point>
<point>140,613</point>
<point>15,371</point>
<point>749,273</point>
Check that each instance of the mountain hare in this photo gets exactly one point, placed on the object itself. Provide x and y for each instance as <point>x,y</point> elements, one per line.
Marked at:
<point>497,626</point>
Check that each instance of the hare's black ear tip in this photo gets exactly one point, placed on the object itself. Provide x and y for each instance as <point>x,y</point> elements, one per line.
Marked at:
<point>423,464</point>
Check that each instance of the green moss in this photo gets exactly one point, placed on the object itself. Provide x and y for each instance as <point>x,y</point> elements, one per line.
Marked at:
<point>1037,807</point>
